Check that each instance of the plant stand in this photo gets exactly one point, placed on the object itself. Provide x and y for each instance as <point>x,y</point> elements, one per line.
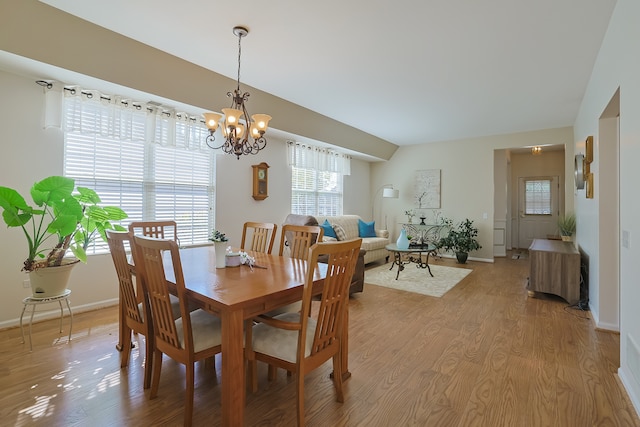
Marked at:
<point>33,302</point>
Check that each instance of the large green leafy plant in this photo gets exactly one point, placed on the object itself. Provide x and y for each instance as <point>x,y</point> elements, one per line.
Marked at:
<point>64,218</point>
<point>461,238</point>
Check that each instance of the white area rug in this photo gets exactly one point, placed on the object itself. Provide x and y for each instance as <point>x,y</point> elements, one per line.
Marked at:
<point>418,280</point>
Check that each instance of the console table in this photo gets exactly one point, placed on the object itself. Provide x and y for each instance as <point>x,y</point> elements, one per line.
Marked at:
<point>554,268</point>
<point>422,234</point>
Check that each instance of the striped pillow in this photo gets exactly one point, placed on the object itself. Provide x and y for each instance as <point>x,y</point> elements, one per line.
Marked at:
<point>340,233</point>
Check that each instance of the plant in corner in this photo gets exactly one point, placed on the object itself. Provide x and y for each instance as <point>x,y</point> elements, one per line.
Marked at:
<point>567,226</point>
<point>461,239</point>
<point>64,218</point>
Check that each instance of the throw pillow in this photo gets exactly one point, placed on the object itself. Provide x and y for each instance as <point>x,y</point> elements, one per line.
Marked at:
<point>329,239</point>
<point>340,233</point>
<point>328,229</point>
<point>366,229</point>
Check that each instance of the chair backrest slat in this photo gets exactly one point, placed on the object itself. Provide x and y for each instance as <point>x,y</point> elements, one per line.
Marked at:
<point>295,240</point>
<point>262,236</point>
<point>159,229</point>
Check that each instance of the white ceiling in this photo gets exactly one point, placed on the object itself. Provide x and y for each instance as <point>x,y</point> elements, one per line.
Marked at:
<point>407,71</point>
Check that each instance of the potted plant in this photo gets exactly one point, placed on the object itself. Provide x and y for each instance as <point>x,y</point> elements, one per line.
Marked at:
<point>220,242</point>
<point>64,218</point>
<point>567,226</point>
<point>461,239</point>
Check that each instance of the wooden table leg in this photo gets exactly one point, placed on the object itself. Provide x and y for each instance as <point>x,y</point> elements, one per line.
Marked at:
<point>233,381</point>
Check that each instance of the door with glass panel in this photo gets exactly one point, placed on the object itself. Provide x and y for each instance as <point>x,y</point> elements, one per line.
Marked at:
<point>538,205</point>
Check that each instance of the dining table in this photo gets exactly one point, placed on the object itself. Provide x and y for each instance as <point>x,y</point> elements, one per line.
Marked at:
<point>236,294</point>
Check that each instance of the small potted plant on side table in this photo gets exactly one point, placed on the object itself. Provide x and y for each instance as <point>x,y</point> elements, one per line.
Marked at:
<point>567,226</point>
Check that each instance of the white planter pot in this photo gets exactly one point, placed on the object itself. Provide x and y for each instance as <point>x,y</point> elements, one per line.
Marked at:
<point>221,254</point>
<point>50,281</point>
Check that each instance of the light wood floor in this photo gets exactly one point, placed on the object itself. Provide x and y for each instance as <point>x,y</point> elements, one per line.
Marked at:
<point>485,354</point>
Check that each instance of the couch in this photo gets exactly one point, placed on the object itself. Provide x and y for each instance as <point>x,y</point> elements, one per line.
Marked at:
<point>375,246</point>
<point>357,280</point>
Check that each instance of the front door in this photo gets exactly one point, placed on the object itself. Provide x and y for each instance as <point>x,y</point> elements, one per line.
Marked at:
<point>538,205</point>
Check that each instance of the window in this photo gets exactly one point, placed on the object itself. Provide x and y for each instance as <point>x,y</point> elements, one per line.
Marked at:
<point>316,179</point>
<point>316,192</point>
<point>111,150</point>
<point>537,197</point>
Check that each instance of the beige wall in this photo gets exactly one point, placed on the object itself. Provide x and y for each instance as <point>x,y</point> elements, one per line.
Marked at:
<point>617,67</point>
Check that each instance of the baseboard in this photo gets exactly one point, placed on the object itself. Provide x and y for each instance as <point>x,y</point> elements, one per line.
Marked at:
<point>489,260</point>
<point>54,313</point>
<point>626,383</point>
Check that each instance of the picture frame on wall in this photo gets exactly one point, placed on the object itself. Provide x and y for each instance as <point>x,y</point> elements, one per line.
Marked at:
<point>427,189</point>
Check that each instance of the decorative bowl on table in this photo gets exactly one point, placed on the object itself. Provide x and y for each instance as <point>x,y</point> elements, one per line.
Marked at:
<point>233,259</point>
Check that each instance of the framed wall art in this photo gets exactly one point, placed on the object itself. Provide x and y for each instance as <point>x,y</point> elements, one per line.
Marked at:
<point>427,189</point>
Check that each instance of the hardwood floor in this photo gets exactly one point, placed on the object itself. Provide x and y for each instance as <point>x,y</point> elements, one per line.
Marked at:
<point>485,354</point>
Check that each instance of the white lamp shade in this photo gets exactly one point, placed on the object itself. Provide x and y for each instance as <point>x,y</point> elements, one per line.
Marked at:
<point>390,193</point>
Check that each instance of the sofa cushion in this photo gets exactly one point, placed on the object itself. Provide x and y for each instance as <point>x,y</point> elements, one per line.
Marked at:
<point>373,243</point>
<point>328,229</point>
<point>366,229</point>
<point>340,233</point>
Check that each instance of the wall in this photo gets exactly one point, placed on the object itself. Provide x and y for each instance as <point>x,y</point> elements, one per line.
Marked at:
<point>467,177</point>
<point>617,67</point>
<point>31,153</point>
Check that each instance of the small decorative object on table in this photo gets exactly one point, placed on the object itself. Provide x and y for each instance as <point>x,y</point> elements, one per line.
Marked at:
<point>567,226</point>
<point>220,242</point>
<point>409,213</point>
<point>422,218</point>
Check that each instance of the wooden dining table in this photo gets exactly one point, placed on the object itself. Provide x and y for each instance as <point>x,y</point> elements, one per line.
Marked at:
<point>236,294</point>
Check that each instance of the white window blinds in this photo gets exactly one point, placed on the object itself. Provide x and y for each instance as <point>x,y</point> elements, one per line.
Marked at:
<point>149,163</point>
<point>316,179</point>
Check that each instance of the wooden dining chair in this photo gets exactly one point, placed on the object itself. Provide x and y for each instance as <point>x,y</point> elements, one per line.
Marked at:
<point>262,235</point>
<point>160,229</point>
<point>133,306</point>
<point>299,342</point>
<point>295,240</point>
<point>195,336</point>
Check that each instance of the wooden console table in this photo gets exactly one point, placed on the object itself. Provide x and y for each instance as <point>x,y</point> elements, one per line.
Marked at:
<point>554,268</point>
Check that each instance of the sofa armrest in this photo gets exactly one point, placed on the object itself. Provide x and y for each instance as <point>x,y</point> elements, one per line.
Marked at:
<point>382,233</point>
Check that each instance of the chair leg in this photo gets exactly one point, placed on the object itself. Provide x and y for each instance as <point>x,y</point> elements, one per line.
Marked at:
<point>188,407</point>
<point>126,347</point>
<point>157,362</point>
<point>300,405</point>
<point>272,373</point>
<point>337,376</point>
<point>148,361</point>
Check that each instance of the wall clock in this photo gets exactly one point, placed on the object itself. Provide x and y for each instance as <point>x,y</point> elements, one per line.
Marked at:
<point>579,171</point>
<point>260,181</point>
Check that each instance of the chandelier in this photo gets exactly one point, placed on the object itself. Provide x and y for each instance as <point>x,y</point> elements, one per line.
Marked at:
<point>236,138</point>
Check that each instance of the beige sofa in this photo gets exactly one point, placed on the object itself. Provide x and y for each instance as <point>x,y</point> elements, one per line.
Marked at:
<point>375,246</point>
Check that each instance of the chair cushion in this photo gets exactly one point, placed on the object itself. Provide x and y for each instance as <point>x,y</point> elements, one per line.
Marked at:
<point>282,343</point>
<point>328,229</point>
<point>366,229</point>
<point>205,328</point>
<point>340,233</point>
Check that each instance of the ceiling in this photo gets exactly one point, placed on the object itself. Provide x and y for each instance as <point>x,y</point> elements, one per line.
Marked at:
<point>407,71</point>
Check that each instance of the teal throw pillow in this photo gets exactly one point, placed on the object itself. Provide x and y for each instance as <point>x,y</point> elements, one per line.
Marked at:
<point>328,229</point>
<point>366,229</point>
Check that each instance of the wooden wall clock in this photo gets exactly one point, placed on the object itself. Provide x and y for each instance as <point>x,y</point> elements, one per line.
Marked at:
<point>260,181</point>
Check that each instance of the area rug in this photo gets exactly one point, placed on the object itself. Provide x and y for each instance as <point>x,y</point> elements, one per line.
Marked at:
<point>418,280</point>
